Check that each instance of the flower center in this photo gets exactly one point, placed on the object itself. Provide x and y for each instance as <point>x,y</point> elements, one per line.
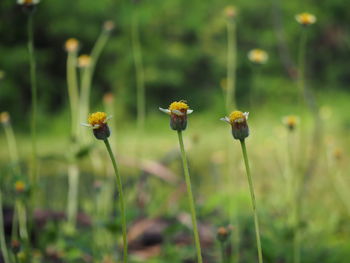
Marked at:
<point>237,116</point>
<point>178,105</point>
<point>97,118</point>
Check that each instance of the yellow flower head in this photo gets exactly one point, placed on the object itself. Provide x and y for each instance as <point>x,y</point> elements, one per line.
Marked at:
<point>84,61</point>
<point>178,111</point>
<point>230,11</point>
<point>108,25</point>
<point>238,122</point>
<point>223,233</point>
<point>338,154</point>
<point>291,121</point>
<point>20,186</point>
<point>108,98</point>
<point>258,56</point>
<point>305,19</point>
<point>238,116</point>
<point>72,45</point>
<point>97,118</point>
<point>98,122</point>
<point>178,105</point>
<point>4,117</point>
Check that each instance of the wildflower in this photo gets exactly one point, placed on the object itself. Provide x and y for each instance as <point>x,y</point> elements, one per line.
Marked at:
<point>98,122</point>
<point>305,19</point>
<point>223,233</point>
<point>338,154</point>
<point>72,45</point>
<point>238,122</point>
<point>4,117</point>
<point>258,56</point>
<point>15,246</point>
<point>178,111</point>
<point>20,186</point>
<point>108,25</point>
<point>108,98</point>
<point>290,121</point>
<point>230,11</point>
<point>84,61</point>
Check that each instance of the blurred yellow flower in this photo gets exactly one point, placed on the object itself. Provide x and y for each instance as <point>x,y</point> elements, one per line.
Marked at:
<point>20,186</point>
<point>230,11</point>
<point>305,19</point>
<point>72,45</point>
<point>4,117</point>
<point>291,121</point>
<point>84,61</point>
<point>108,25</point>
<point>258,56</point>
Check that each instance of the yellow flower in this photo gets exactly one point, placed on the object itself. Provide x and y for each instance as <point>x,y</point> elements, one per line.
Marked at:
<point>98,122</point>
<point>84,61</point>
<point>4,117</point>
<point>108,25</point>
<point>222,234</point>
<point>108,98</point>
<point>72,45</point>
<point>178,111</point>
<point>291,121</point>
<point>231,11</point>
<point>305,19</point>
<point>97,119</point>
<point>20,186</point>
<point>258,56</point>
<point>238,122</point>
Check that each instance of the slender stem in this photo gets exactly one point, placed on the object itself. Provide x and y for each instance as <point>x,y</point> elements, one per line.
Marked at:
<point>252,195</point>
<point>73,188</point>
<point>121,198</point>
<point>140,79</point>
<point>34,172</point>
<point>301,64</point>
<point>98,48</point>
<point>231,64</point>
<point>190,197</point>
<point>22,220</point>
<point>4,250</point>
<point>223,254</point>
<point>73,93</point>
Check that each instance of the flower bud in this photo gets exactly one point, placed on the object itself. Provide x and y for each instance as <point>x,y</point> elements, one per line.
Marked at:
<point>291,122</point>
<point>178,112</point>
<point>223,234</point>
<point>15,246</point>
<point>305,19</point>
<point>238,122</point>
<point>71,45</point>
<point>98,122</point>
<point>258,56</point>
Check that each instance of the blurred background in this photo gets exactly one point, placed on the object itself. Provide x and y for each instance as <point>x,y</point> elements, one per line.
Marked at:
<point>182,47</point>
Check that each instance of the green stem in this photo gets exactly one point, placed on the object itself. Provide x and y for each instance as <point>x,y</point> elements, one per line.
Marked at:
<point>22,220</point>
<point>4,250</point>
<point>223,254</point>
<point>121,199</point>
<point>252,195</point>
<point>12,146</point>
<point>190,197</point>
<point>231,65</point>
<point>73,93</point>
<point>98,48</point>
<point>73,187</point>
<point>140,79</point>
<point>34,172</point>
<point>301,62</point>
